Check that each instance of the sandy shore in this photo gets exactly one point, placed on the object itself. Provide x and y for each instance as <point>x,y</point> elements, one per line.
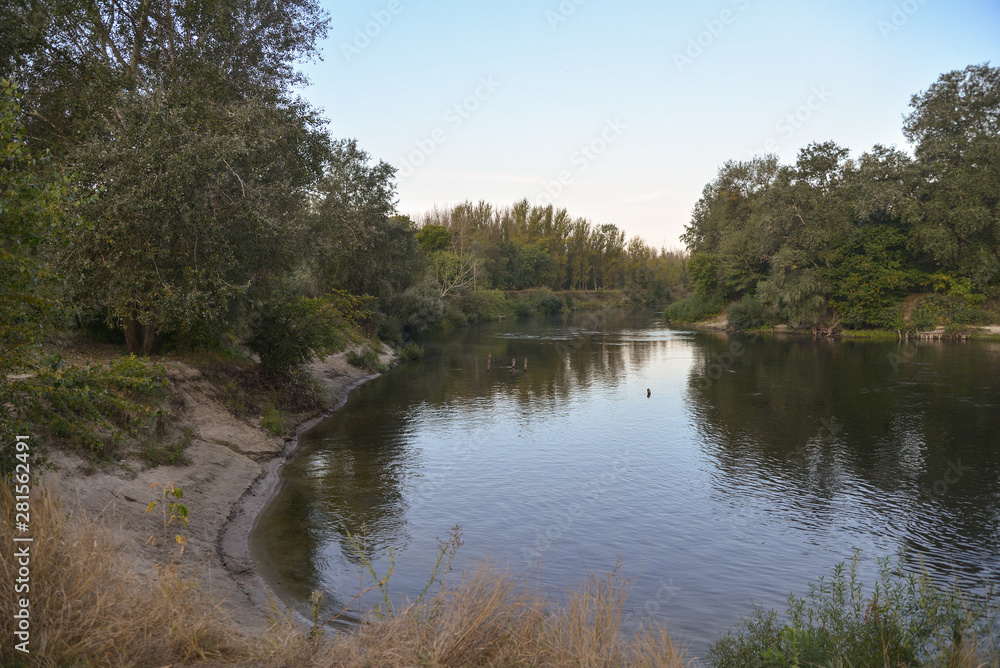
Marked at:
<point>233,472</point>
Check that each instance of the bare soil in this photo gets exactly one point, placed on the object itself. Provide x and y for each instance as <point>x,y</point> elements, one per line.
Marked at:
<point>232,472</point>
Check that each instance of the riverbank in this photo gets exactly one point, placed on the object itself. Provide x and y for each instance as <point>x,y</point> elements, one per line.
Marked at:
<point>988,332</point>
<point>232,470</point>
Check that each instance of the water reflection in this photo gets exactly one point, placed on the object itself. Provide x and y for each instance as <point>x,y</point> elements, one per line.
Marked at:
<point>754,466</point>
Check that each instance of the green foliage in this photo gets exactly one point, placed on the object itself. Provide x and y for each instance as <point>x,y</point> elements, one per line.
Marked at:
<point>357,243</point>
<point>944,310</point>
<point>366,359</point>
<point>286,331</point>
<point>272,420</point>
<point>747,314</point>
<point>155,454</point>
<point>694,308</point>
<point>432,238</point>
<point>830,237</point>
<point>421,306</point>
<point>870,277</point>
<point>411,351</point>
<point>903,620</point>
<point>92,407</point>
<point>35,212</point>
<point>524,308</point>
<point>484,305</point>
<point>552,304</point>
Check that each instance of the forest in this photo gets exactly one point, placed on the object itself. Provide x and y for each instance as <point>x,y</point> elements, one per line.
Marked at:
<point>166,187</point>
<point>887,240</point>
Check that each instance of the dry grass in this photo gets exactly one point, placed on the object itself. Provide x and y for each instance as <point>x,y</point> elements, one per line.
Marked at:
<point>90,608</point>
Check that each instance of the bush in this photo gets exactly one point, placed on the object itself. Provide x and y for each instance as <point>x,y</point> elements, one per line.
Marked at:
<point>746,314</point>
<point>171,455</point>
<point>553,304</point>
<point>523,309</point>
<point>272,420</point>
<point>411,351</point>
<point>421,306</point>
<point>694,308</point>
<point>454,316</point>
<point>367,359</point>
<point>286,331</point>
<point>906,621</point>
<point>91,407</point>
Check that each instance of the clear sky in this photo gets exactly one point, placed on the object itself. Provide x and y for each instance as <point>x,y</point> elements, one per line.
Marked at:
<point>622,111</point>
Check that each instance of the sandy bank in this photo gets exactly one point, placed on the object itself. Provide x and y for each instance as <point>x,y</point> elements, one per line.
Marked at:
<point>233,471</point>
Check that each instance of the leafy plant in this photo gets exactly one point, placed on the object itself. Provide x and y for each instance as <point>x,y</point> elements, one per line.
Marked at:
<point>286,331</point>
<point>155,454</point>
<point>411,351</point>
<point>366,359</point>
<point>272,420</point>
<point>93,407</point>
<point>172,510</point>
<point>905,620</point>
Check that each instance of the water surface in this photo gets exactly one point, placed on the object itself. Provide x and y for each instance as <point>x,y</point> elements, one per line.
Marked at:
<point>753,466</point>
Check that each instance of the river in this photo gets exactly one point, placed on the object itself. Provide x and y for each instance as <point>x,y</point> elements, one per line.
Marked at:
<point>752,467</point>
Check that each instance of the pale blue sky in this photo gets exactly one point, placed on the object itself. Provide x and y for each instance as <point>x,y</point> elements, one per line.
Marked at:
<point>475,100</point>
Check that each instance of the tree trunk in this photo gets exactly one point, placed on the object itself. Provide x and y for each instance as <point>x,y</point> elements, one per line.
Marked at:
<point>133,336</point>
<point>150,339</point>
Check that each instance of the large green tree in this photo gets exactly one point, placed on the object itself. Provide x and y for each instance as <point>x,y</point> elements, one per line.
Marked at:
<point>955,217</point>
<point>358,242</point>
<point>182,116</point>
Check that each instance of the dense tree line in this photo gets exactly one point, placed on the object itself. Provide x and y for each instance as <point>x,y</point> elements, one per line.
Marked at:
<point>834,241</point>
<point>525,246</point>
<point>178,191</point>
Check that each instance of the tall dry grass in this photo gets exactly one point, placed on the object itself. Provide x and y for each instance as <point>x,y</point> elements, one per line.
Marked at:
<point>90,608</point>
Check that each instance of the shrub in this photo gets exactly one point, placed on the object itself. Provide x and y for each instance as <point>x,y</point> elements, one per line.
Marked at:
<point>906,620</point>
<point>91,407</point>
<point>411,351</point>
<point>286,331</point>
<point>454,316</point>
<point>367,359</point>
<point>746,314</point>
<point>272,420</point>
<point>421,306</point>
<point>155,454</point>
<point>553,304</point>
<point>694,308</point>
<point>523,309</point>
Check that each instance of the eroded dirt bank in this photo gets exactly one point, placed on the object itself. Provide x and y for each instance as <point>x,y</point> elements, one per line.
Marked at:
<point>232,472</point>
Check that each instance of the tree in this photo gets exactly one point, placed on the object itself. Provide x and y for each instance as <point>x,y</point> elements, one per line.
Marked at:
<point>955,215</point>
<point>183,117</point>
<point>36,208</point>
<point>359,245</point>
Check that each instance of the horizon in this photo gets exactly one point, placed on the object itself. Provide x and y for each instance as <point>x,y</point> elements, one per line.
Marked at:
<point>499,104</point>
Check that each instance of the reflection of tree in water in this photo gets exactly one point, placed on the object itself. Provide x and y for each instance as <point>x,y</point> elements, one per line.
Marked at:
<point>823,422</point>
<point>352,471</point>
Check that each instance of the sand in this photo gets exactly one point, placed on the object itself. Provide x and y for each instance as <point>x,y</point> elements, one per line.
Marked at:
<point>233,471</point>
